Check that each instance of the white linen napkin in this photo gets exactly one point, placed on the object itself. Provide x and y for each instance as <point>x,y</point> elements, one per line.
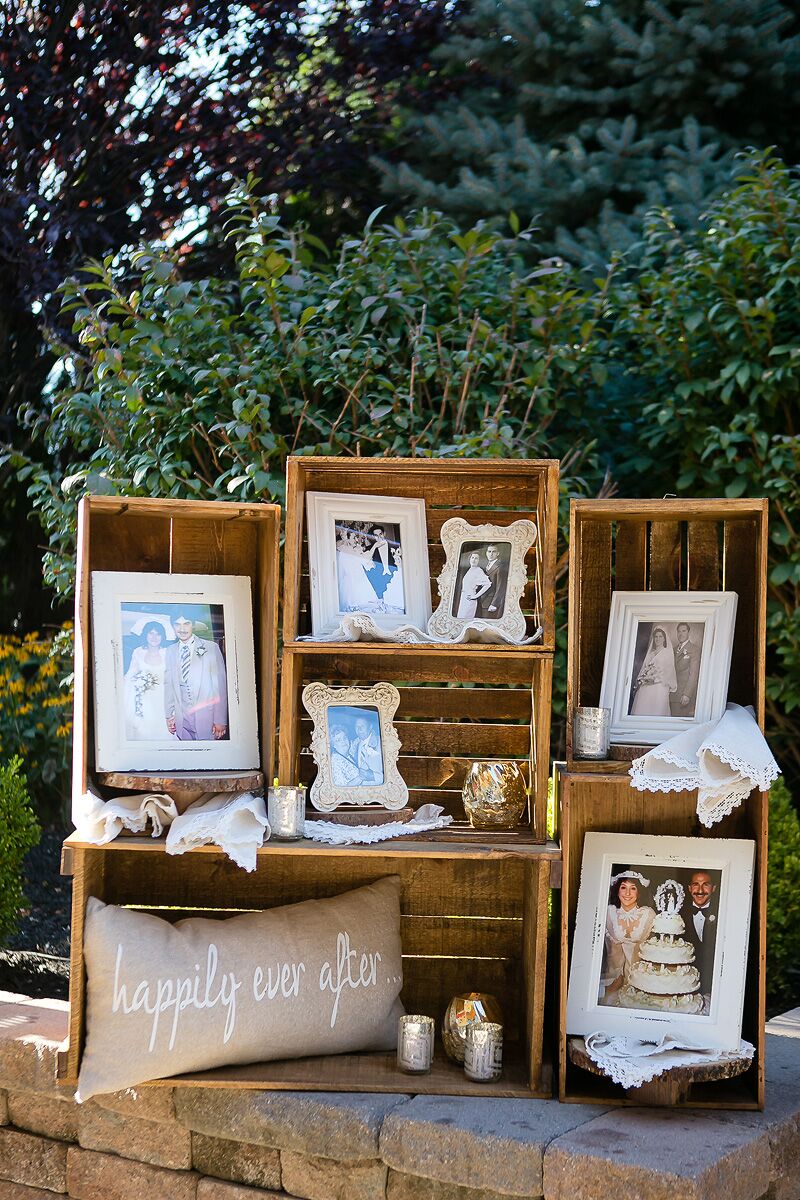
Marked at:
<point>100,821</point>
<point>725,760</point>
<point>427,817</point>
<point>237,823</point>
<point>361,627</point>
<point>632,1062</point>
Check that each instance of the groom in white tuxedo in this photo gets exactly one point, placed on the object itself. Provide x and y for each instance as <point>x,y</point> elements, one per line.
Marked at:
<point>195,686</point>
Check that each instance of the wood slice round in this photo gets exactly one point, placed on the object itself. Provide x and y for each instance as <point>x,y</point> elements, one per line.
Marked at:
<point>368,815</point>
<point>670,1088</point>
<point>183,786</point>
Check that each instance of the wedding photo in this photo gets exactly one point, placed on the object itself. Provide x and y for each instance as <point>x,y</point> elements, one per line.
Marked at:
<point>481,580</point>
<point>369,567</point>
<point>666,668</point>
<point>356,752</point>
<point>660,938</point>
<point>175,685</point>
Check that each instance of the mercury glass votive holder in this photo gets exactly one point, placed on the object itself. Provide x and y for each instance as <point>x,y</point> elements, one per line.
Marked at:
<point>415,1035</point>
<point>494,795</point>
<point>483,1052</point>
<point>286,812</point>
<point>591,732</point>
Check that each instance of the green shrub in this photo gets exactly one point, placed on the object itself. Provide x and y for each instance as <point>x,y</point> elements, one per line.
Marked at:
<point>783,899</point>
<point>36,714</point>
<point>19,831</point>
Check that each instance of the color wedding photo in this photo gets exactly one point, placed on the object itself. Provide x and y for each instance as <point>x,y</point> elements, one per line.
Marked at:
<point>482,580</point>
<point>666,668</point>
<point>356,752</point>
<point>369,567</point>
<point>660,938</point>
<point>175,684</point>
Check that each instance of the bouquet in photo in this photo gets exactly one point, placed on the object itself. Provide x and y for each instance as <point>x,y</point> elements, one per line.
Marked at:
<point>143,681</point>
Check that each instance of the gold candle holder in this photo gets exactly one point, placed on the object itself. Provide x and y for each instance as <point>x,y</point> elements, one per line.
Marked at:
<point>463,1011</point>
<point>494,795</point>
<point>483,1053</point>
<point>415,1035</point>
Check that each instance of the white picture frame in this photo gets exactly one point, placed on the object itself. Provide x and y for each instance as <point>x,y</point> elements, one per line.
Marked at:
<point>728,865</point>
<point>364,770</point>
<point>367,554</point>
<point>492,605</point>
<point>137,672</point>
<point>647,713</point>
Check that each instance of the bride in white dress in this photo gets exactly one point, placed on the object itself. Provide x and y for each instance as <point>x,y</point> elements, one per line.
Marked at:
<point>355,592</point>
<point>656,679</point>
<point>143,688</point>
<point>473,585</point>
<point>628,924</point>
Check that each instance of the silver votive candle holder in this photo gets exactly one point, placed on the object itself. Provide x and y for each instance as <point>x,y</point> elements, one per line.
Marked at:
<point>483,1052</point>
<point>591,732</point>
<point>286,812</point>
<point>415,1035</point>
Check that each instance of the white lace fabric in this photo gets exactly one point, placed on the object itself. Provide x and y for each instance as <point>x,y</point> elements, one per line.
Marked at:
<point>361,627</point>
<point>632,1062</point>
<point>425,819</point>
<point>724,760</point>
<point>237,823</point>
<point>100,821</point>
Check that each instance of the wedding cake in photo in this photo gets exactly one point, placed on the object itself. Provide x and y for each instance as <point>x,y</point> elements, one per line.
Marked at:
<point>664,976</point>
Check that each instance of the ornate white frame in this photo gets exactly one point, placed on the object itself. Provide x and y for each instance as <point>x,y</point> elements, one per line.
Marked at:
<point>324,794</point>
<point>721,1028</point>
<point>716,610</point>
<point>323,509</point>
<point>114,751</point>
<point>522,535</point>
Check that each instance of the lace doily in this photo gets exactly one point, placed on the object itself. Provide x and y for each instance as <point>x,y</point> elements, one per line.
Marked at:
<point>426,818</point>
<point>361,627</point>
<point>724,760</point>
<point>236,823</point>
<point>631,1062</point>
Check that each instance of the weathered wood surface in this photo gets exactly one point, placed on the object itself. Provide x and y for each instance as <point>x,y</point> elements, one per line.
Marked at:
<point>671,1088</point>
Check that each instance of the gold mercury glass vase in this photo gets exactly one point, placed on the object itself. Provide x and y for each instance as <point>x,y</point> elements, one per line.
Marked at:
<point>494,795</point>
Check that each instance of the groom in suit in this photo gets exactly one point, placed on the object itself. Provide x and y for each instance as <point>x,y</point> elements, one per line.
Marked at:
<point>701,917</point>
<point>493,601</point>
<point>195,686</point>
<point>682,702</point>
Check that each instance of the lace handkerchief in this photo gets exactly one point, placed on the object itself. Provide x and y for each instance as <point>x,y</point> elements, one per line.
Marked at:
<point>725,760</point>
<point>236,823</point>
<point>361,627</point>
<point>100,821</point>
<point>632,1063</point>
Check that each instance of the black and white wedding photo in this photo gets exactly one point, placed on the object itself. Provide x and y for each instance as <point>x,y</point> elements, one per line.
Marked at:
<point>369,567</point>
<point>666,668</point>
<point>355,746</point>
<point>482,580</point>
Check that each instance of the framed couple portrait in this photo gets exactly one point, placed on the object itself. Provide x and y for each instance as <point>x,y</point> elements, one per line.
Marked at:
<point>174,672</point>
<point>367,554</point>
<point>355,746</point>
<point>661,937</point>
<point>667,662</point>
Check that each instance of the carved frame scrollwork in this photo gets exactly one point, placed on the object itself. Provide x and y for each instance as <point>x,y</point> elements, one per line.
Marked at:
<point>325,795</point>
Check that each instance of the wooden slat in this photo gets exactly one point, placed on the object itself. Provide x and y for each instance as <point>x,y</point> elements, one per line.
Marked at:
<point>88,878</point>
<point>128,542</point>
<point>592,568</point>
<point>665,556</point>
<point>630,556</point>
<point>445,739</point>
<point>479,703</point>
<point>436,517</point>
<point>372,664</point>
<point>430,984</point>
<point>421,771</point>
<point>702,543</point>
<point>534,953</point>
<point>740,567</point>
<point>219,547</point>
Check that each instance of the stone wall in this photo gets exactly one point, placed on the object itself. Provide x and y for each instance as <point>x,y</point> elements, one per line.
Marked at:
<point>224,1144</point>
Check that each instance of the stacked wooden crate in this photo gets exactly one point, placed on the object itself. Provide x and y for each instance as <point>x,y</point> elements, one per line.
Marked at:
<point>661,545</point>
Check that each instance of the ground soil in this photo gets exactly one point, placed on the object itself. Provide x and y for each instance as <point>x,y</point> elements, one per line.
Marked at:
<point>34,960</point>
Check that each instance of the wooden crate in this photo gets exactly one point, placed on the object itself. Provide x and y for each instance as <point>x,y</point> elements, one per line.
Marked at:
<point>474,917</point>
<point>458,703</point>
<point>608,804</point>
<point>664,545</point>
<point>172,536</point>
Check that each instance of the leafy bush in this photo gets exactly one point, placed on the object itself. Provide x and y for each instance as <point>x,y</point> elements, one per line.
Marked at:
<point>36,714</point>
<point>783,899</point>
<point>708,326</point>
<point>19,831</point>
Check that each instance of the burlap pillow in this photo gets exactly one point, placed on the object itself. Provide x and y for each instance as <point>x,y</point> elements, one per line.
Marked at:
<point>321,977</point>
